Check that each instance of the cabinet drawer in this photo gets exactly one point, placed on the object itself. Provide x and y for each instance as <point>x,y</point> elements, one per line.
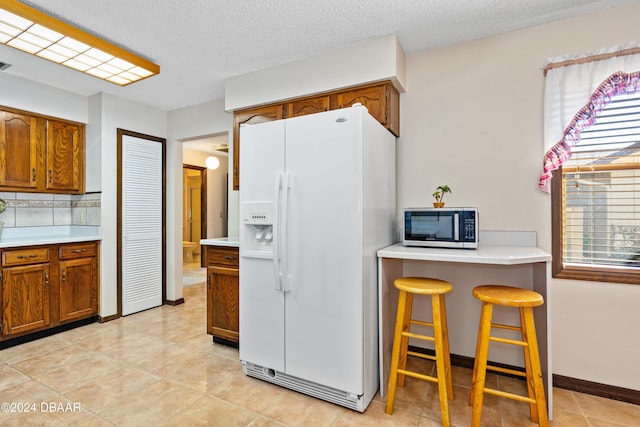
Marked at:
<point>24,256</point>
<point>227,257</point>
<point>78,250</point>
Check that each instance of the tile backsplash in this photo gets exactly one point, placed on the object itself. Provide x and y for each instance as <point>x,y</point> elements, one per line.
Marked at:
<point>38,209</point>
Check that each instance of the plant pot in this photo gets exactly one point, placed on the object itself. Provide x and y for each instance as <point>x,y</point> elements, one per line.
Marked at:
<point>438,204</point>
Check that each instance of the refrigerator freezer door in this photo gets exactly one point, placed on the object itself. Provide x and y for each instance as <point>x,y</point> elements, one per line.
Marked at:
<point>324,306</point>
<point>262,312</point>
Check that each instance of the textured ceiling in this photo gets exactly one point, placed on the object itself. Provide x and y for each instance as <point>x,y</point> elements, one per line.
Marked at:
<point>200,43</point>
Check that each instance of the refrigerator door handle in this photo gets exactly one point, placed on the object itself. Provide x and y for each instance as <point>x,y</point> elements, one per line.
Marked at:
<point>276,234</point>
<point>282,245</point>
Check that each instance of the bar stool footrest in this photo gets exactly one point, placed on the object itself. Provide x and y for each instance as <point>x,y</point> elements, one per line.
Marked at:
<point>417,375</point>
<point>508,341</point>
<point>506,371</point>
<point>418,336</point>
<point>512,396</point>
<point>421,355</point>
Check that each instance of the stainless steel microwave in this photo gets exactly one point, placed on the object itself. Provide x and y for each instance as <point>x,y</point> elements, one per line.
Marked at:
<point>441,227</point>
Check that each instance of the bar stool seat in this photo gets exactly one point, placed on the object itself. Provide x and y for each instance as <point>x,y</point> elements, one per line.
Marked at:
<point>524,300</point>
<point>408,287</point>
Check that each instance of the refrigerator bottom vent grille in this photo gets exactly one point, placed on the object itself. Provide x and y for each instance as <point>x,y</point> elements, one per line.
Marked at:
<point>310,388</point>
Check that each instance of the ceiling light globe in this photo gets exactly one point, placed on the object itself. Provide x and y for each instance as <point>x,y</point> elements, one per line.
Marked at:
<point>212,162</point>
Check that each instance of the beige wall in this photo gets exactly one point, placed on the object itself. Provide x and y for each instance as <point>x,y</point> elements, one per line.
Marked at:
<point>472,118</point>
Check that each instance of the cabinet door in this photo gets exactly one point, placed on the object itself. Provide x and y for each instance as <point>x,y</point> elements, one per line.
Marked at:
<point>18,150</point>
<point>252,116</point>
<point>223,303</point>
<point>64,151</point>
<point>380,100</point>
<point>308,106</point>
<point>25,298</point>
<point>78,288</point>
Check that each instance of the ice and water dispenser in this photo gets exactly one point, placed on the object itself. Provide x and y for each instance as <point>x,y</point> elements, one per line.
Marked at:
<point>257,223</point>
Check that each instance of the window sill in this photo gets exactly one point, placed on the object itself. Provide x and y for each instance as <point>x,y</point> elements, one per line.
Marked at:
<point>628,276</point>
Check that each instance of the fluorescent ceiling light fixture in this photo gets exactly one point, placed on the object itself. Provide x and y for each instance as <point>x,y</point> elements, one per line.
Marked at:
<point>32,31</point>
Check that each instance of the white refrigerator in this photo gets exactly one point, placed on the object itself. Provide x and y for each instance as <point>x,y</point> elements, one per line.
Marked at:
<point>317,200</point>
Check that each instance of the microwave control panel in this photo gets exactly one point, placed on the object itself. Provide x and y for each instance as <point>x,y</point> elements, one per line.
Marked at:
<point>469,226</point>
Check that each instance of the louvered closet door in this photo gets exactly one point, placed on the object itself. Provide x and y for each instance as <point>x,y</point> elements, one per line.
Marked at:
<point>141,224</point>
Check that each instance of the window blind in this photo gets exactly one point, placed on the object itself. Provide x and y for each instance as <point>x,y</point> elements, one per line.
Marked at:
<point>601,187</point>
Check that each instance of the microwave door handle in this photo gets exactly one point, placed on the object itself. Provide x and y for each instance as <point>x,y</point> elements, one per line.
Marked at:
<point>456,227</point>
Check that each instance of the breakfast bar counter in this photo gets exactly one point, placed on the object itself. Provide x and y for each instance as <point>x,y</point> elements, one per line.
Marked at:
<point>499,260</point>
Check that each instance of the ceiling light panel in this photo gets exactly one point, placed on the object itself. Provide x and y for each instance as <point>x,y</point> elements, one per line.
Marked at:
<point>34,32</point>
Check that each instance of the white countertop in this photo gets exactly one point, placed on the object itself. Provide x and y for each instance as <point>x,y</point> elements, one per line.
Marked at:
<point>28,236</point>
<point>231,242</point>
<point>483,255</point>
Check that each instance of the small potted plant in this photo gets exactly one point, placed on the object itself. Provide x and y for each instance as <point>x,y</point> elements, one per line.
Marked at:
<point>439,195</point>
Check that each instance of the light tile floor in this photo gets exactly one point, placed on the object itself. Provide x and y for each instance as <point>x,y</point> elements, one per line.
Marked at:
<point>159,368</point>
<point>193,274</point>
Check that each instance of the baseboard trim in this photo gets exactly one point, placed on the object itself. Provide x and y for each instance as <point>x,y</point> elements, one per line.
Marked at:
<point>572,384</point>
<point>174,302</point>
<point>108,318</point>
<point>597,389</point>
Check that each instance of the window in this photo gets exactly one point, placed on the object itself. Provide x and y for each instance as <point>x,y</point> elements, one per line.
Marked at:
<point>596,199</point>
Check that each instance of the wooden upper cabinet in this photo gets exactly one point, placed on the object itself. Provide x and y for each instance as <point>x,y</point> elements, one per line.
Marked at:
<point>306,106</point>
<point>382,101</point>
<point>252,116</point>
<point>40,154</point>
<point>19,145</point>
<point>64,156</point>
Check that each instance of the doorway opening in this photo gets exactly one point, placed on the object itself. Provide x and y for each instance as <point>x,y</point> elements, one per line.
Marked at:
<point>194,222</point>
<point>205,163</point>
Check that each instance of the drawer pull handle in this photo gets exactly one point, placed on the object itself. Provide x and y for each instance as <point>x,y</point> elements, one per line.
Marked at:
<point>230,257</point>
<point>33,170</point>
<point>64,274</point>
<point>46,277</point>
<point>27,256</point>
<point>77,251</point>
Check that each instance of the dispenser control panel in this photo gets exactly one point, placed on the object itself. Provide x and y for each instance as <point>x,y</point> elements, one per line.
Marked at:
<point>257,213</point>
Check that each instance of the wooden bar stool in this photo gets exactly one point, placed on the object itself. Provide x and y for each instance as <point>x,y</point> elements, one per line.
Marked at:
<point>525,300</point>
<point>409,286</point>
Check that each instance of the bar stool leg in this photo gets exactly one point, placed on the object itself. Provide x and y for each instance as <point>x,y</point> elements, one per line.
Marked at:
<point>404,343</point>
<point>535,376</point>
<point>443,371</point>
<point>475,363</point>
<point>533,411</point>
<point>395,354</point>
<point>447,354</point>
<point>480,371</point>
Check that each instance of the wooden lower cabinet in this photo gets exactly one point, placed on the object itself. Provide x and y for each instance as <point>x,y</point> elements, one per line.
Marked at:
<point>223,294</point>
<point>25,299</point>
<point>78,281</point>
<point>46,286</point>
